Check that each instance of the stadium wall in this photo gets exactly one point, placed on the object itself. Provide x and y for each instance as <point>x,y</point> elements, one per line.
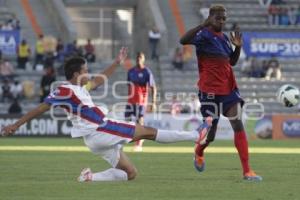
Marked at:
<point>62,20</point>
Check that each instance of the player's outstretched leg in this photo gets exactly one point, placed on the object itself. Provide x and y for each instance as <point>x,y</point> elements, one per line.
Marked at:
<point>241,142</point>
<point>204,129</point>
<point>170,136</point>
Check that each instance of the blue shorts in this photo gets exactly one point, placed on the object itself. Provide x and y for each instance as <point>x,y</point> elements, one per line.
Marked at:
<point>214,105</point>
<point>135,110</point>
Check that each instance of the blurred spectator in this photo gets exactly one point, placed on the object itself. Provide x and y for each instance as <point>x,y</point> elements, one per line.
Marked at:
<point>6,93</point>
<point>89,51</point>
<point>39,51</point>
<point>265,66</point>
<point>23,54</point>
<point>28,89</point>
<point>246,66</point>
<point>16,90</point>
<point>60,50</point>
<point>50,45</point>
<point>177,60</point>
<point>273,15</point>
<point>274,70</point>
<point>6,69</point>
<point>46,82</point>
<point>292,14</point>
<point>298,15</point>
<point>15,107</point>
<point>154,38</point>
<point>71,49</point>
<point>195,104</point>
<point>283,17</point>
<point>256,69</point>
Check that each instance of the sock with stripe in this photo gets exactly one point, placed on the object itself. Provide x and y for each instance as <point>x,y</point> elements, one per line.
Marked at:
<point>200,149</point>
<point>241,144</point>
<point>111,174</point>
<point>171,136</point>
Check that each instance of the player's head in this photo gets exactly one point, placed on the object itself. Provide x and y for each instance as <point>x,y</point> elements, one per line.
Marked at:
<point>76,70</point>
<point>217,17</point>
<point>140,59</point>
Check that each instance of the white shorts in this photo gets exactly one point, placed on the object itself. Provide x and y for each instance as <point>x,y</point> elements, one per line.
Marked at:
<point>106,144</point>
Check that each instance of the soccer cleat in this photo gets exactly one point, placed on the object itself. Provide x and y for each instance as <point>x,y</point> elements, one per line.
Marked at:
<point>252,176</point>
<point>85,175</point>
<point>199,161</point>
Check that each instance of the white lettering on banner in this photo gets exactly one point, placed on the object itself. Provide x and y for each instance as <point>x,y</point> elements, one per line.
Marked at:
<point>10,42</point>
<point>284,48</point>
<point>295,126</point>
<point>44,127</point>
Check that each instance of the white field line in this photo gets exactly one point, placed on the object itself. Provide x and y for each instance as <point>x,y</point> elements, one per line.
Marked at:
<point>169,149</point>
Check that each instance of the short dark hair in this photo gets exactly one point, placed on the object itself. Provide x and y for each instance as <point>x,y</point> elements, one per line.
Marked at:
<point>216,8</point>
<point>73,65</point>
<point>139,53</point>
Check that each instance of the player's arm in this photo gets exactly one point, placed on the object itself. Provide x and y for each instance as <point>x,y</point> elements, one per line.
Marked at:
<point>190,34</point>
<point>11,129</point>
<point>153,92</point>
<point>99,80</point>
<point>237,41</point>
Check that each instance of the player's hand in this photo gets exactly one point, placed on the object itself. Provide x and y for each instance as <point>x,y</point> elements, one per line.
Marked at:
<point>122,55</point>
<point>9,130</point>
<point>236,38</point>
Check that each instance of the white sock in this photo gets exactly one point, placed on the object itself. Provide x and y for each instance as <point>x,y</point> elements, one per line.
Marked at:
<point>170,136</point>
<point>111,174</point>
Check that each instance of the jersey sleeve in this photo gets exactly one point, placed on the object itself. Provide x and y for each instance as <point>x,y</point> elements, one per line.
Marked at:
<point>151,79</point>
<point>197,39</point>
<point>60,96</point>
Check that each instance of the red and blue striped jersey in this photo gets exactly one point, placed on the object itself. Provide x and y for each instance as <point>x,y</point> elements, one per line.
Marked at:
<point>139,82</point>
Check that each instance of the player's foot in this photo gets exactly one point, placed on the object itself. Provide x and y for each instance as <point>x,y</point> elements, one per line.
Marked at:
<point>203,130</point>
<point>199,163</point>
<point>252,176</point>
<point>138,148</point>
<point>85,175</point>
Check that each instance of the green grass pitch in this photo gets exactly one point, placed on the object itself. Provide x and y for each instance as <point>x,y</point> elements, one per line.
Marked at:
<point>41,175</point>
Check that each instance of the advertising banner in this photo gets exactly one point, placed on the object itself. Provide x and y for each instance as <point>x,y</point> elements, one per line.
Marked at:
<point>286,126</point>
<point>9,41</point>
<point>263,44</point>
<point>42,126</point>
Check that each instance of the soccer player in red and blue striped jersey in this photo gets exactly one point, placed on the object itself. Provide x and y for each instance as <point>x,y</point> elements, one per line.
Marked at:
<point>141,80</point>
<point>218,91</point>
